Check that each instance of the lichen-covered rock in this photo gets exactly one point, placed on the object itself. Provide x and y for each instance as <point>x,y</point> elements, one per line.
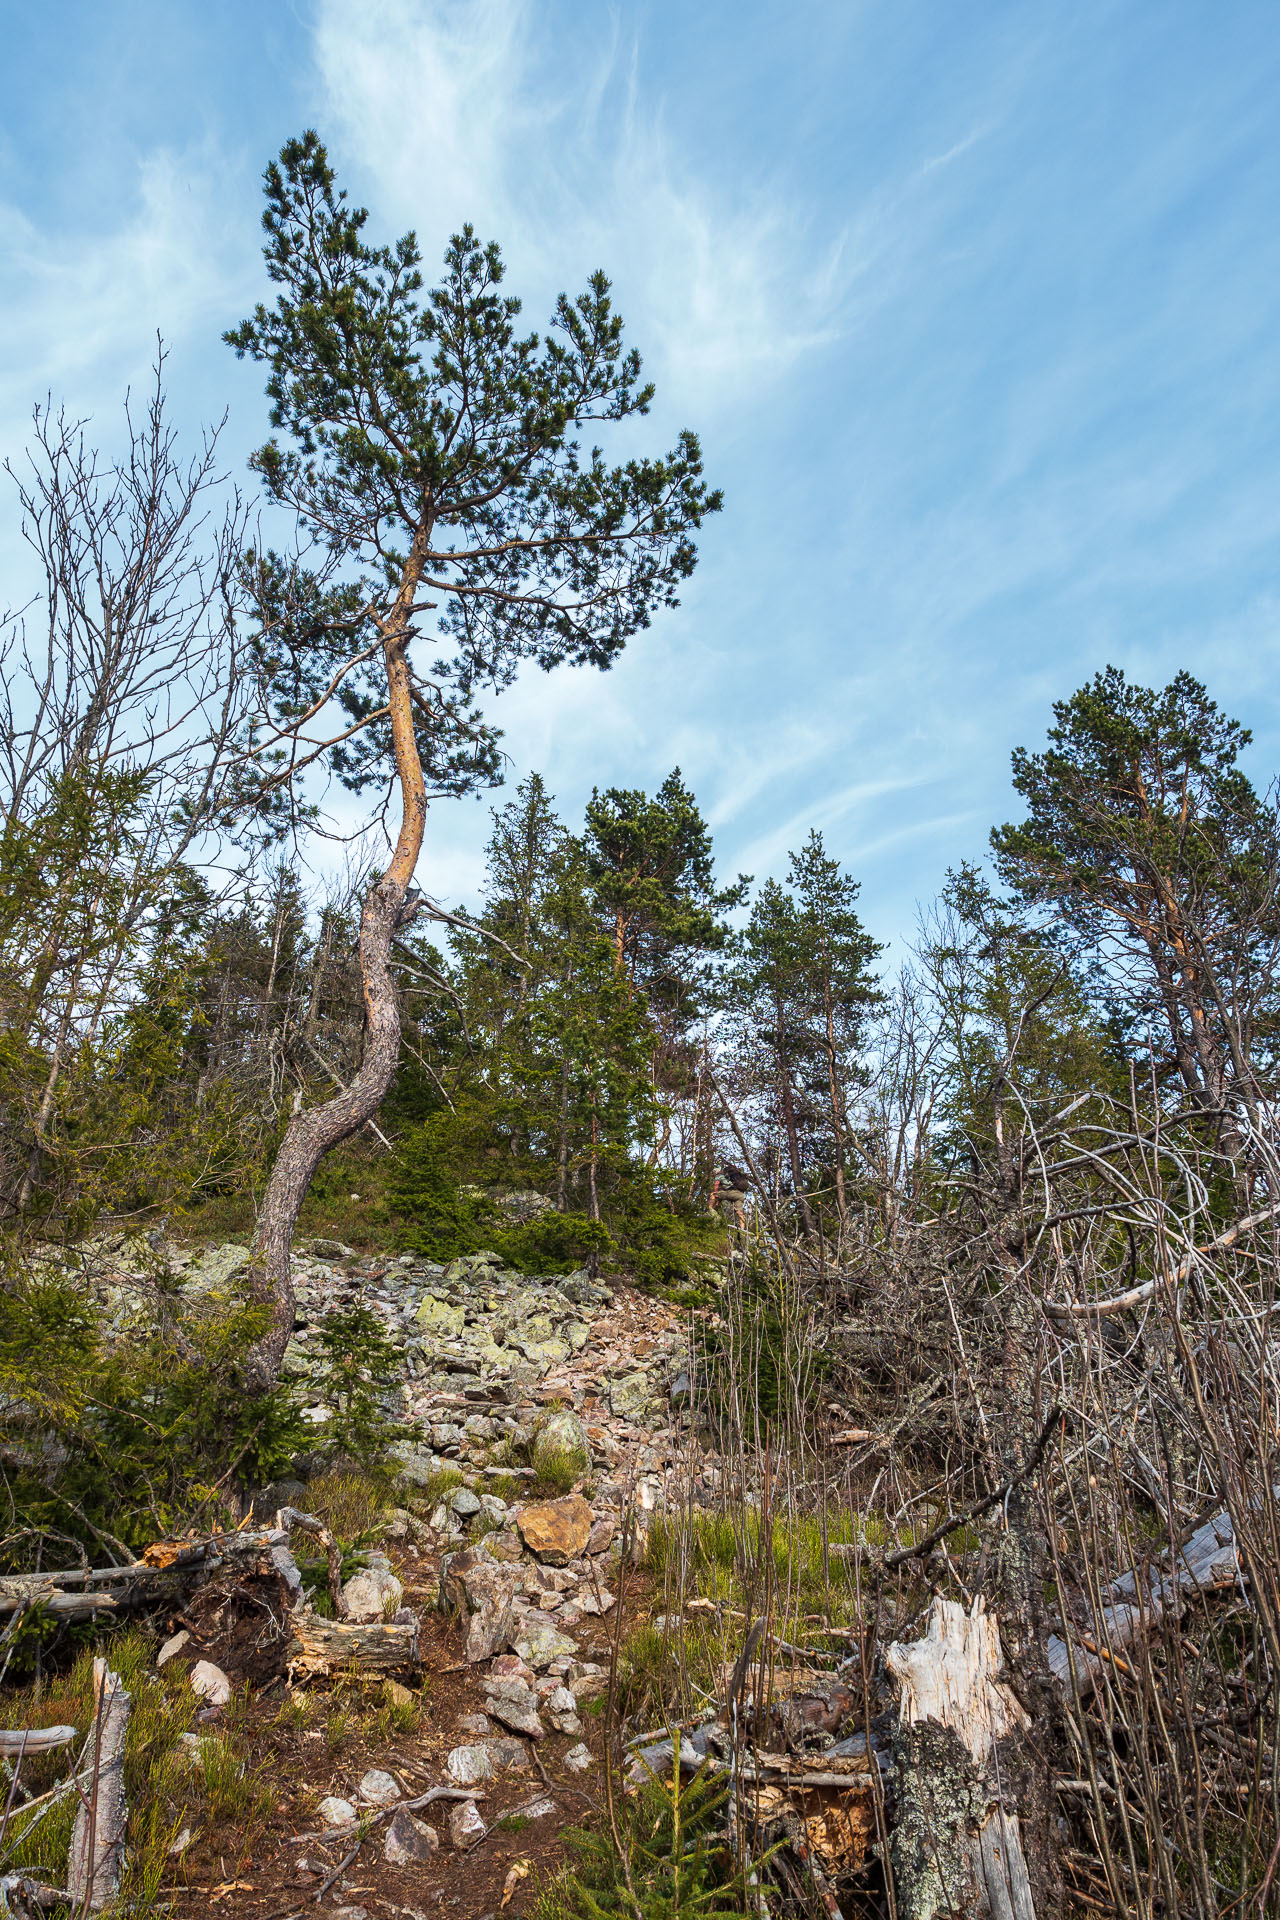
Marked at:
<point>556,1530</point>
<point>561,1436</point>
<point>214,1269</point>
<point>630,1395</point>
<point>469,1766</point>
<point>539,1643</point>
<point>438,1317</point>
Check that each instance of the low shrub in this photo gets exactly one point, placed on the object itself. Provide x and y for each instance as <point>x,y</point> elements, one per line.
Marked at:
<point>122,1432</point>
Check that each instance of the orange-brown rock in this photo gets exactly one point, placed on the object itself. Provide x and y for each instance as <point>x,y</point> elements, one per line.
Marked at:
<point>556,1530</point>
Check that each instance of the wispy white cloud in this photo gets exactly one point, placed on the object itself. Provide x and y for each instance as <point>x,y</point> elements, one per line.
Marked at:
<point>456,113</point>
<point>81,309</point>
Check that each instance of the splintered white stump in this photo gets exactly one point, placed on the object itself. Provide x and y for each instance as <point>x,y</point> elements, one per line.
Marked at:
<point>96,1865</point>
<point>956,1848</point>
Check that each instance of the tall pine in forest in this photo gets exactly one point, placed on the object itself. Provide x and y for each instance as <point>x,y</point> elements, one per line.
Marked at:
<point>426,448</point>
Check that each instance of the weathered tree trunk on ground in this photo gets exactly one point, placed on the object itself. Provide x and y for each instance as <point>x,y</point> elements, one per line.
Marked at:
<point>957,1848</point>
<point>320,1647</point>
<point>1138,1604</point>
<point>96,1865</point>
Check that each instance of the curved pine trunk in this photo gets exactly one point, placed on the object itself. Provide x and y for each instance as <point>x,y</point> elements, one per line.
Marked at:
<point>388,907</point>
<point>312,1134</point>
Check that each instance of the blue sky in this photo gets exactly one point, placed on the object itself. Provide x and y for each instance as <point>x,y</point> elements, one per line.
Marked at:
<point>976,308</point>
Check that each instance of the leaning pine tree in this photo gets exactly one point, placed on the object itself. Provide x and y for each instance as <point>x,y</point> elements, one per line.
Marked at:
<point>426,449</point>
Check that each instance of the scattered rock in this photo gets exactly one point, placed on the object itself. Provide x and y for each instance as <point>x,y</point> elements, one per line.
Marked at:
<point>539,1643</point>
<point>556,1530</point>
<point>408,1840</point>
<point>372,1594</point>
<point>595,1601</point>
<point>482,1591</point>
<point>510,1755</point>
<point>476,1724</point>
<point>630,1395</point>
<point>516,1706</point>
<point>579,1757</point>
<point>415,1465</point>
<point>465,1825</point>
<point>534,1809</point>
<point>379,1789</point>
<point>468,1766</point>
<point>561,1710</point>
<point>211,1683</point>
<point>509,1666</point>
<point>600,1538</point>
<point>335,1812</point>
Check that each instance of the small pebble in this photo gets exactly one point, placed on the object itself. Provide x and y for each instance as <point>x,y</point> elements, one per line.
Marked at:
<point>211,1683</point>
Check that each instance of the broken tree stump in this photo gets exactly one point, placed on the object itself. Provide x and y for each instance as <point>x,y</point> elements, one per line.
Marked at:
<point>96,1864</point>
<point>956,1846</point>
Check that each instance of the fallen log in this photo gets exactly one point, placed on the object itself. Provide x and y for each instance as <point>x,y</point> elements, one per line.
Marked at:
<point>319,1647</point>
<point>23,1897</point>
<point>15,1744</point>
<point>165,1569</point>
<point>1136,1605</point>
<point>96,1864</point>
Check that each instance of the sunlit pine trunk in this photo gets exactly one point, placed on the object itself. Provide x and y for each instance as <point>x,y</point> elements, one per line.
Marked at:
<point>387,908</point>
